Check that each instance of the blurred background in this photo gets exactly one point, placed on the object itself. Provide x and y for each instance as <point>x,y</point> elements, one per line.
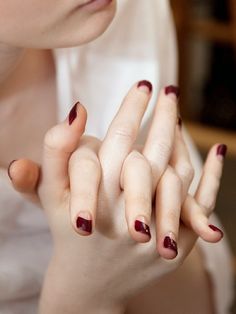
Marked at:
<point>207,59</point>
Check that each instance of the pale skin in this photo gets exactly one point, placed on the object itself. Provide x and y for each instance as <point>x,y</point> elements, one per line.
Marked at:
<point>14,92</point>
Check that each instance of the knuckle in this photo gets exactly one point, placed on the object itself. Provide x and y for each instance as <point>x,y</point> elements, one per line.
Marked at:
<point>186,171</point>
<point>174,178</point>
<point>87,197</point>
<point>50,139</point>
<point>163,147</point>
<point>85,164</point>
<point>211,206</point>
<point>135,162</point>
<point>141,200</point>
<point>136,158</point>
<point>89,165</point>
<point>126,131</point>
<point>136,155</point>
<point>57,139</point>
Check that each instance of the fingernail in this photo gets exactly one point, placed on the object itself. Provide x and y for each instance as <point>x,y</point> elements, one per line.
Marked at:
<point>221,150</point>
<point>84,222</point>
<point>214,228</point>
<point>171,89</point>
<point>142,227</point>
<point>8,169</point>
<point>146,86</point>
<point>179,122</point>
<point>73,114</point>
<point>170,244</point>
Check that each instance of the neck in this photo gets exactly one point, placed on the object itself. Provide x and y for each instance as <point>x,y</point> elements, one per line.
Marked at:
<point>9,58</point>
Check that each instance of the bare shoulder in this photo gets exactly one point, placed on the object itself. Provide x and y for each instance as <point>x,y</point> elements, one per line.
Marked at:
<point>187,290</point>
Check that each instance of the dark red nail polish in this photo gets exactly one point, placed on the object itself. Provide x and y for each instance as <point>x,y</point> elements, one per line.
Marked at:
<point>214,228</point>
<point>73,113</point>
<point>84,224</point>
<point>142,227</point>
<point>179,122</point>
<point>170,244</point>
<point>8,169</point>
<point>172,89</point>
<point>221,150</point>
<point>147,84</point>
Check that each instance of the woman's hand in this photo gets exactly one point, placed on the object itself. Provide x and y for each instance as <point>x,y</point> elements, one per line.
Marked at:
<point>149,164</point>
<point>86,180</point>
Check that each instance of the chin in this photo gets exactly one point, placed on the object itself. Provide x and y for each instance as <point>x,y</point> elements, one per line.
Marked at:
<point>74,34</point>
<point>73,31</point>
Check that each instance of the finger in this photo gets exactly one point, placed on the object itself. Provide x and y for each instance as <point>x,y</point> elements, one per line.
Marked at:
<point>60,142</point>
<point>196,212</point>
<point>85,176</point>
<point>136,180</point>
<point>180,161</point>
<point>168,204</point>
<point>123,131</point>
<point>24,175</point>
<point>194,216</point>
<point>159,143</point>
<point>210,180</point>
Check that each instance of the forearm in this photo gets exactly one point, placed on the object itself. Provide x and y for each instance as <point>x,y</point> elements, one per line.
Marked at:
<point>62,294</point>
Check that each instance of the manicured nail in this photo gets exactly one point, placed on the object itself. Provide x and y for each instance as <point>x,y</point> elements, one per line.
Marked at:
<point>8,169</point>
<point>84,222</point>
<point>170,244</point>
<point>214,228</point>
<point>171,89</point>
<point>142,227</point>
<point>221,150</point>
<point>146,86</point>
<point>73,114</point>
<point>179,122</point>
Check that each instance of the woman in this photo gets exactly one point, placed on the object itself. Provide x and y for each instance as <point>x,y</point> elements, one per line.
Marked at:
<point>28,82</point>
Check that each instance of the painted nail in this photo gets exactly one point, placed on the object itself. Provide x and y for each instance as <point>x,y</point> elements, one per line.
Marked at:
<point>84,224</point>
<point>214,228</point>
<point>145,86</point>
<point>171,89</point>
<point>170,244</point>
<point>73,114</point>
<point>179,122</point>
<point>221,150</point>
<point>142,227</point>
<point>8,169</point>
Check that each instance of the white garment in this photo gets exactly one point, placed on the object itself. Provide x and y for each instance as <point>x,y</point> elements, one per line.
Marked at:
<point>140,44</point>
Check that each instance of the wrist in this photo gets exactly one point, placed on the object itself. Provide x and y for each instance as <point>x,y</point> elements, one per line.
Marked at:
<point>66,293</point>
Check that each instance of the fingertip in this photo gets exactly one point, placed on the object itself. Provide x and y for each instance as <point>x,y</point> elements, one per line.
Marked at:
<point>145,86</point>
<point>219,234</point>
<point>221,151</point>
<point>208,233</point>
<point>218,151</point>
<point>140,231</point>
<point>167,247</point>
<point>9,169</point>
<point>24,175</point>
<point>83,224</point>
<point>82,113</point>
<point>78,113</point>
<point>172,91</point>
